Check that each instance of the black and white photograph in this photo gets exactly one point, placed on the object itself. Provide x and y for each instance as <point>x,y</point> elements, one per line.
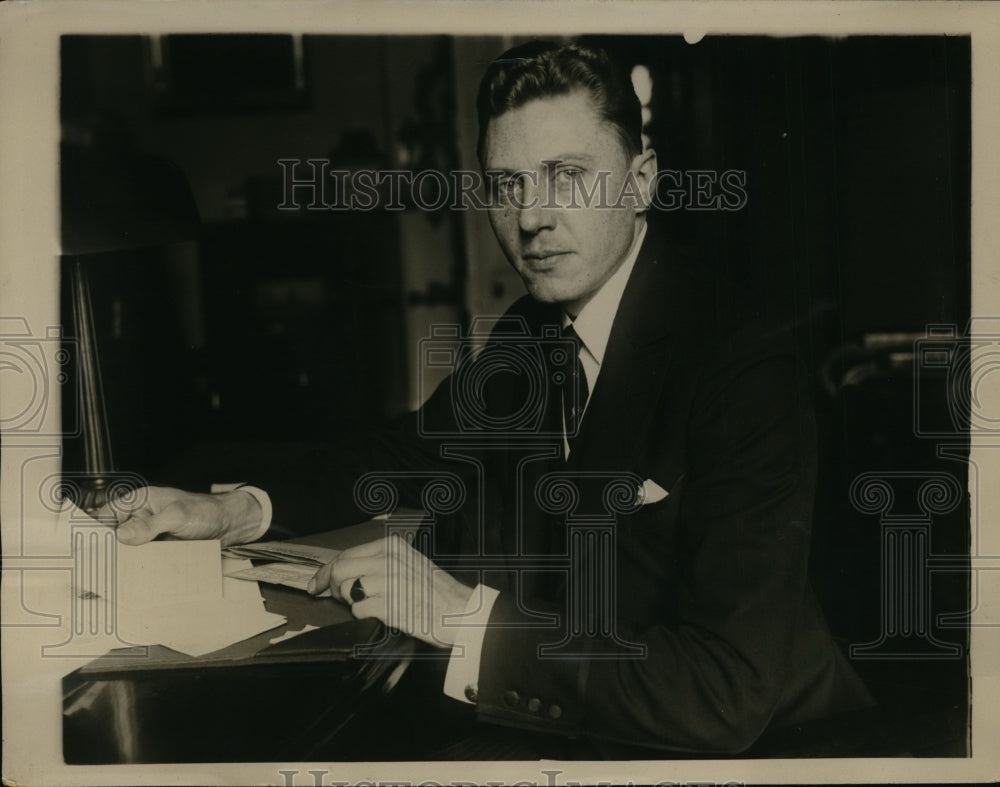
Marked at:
<point>549,393</point>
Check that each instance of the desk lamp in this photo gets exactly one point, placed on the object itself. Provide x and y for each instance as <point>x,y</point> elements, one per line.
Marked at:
<point>111,201</point>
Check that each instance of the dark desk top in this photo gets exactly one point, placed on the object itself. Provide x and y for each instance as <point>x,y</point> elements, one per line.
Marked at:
<point>144,705</point>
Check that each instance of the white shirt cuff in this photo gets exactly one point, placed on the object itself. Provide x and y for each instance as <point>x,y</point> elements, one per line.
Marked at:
<point>261,497</point>
<point>461,681</point>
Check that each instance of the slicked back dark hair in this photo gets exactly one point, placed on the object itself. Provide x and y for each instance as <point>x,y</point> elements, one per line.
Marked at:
<point>544,69</point>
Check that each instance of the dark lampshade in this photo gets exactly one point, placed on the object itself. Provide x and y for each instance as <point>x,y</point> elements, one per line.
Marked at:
<point>113,201</point>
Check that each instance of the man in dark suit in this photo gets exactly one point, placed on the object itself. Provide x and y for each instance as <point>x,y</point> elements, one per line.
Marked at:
<point>635,457</point>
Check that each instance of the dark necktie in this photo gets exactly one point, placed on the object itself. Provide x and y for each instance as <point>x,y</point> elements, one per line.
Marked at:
<point>575,390</point>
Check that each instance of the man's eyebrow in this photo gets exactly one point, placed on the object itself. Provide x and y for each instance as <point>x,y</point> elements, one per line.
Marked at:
<point>583,158</point>
<point>562,158</point>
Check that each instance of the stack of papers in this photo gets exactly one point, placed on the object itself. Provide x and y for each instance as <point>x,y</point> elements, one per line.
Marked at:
<point>285,552</point>
<point>293,564</point>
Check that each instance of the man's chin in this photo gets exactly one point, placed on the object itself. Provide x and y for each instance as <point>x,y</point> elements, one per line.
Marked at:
<point>547,294</point>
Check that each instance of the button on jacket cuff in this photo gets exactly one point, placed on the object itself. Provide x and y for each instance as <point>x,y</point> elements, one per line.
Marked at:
<point>518,688</point>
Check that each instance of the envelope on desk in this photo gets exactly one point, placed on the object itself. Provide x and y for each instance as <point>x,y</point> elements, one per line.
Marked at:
<point>293,575</point>
<point>284,552</point>
<point>293,564</point>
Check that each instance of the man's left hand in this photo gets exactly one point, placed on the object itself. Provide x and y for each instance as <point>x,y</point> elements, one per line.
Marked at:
<point>401,587</point>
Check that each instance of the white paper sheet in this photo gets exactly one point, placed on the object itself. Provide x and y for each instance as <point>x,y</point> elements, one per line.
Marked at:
<point>290,634</point>
<point>197,627</point>
<point>162,573</point>
<point>238,589</point>
<point>169,593</point>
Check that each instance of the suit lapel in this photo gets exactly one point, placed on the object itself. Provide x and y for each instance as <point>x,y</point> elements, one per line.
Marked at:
<point>524,529</point>
<point>632,374</point>
<point>621,405</point>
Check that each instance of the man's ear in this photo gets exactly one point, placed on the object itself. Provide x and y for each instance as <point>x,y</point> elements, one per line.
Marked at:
<point>644,170</point>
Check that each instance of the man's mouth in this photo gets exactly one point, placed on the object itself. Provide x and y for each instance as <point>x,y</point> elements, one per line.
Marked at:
<point>543,260</point>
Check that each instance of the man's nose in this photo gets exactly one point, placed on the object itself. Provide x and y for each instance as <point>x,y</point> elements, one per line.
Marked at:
<point>534,215</point>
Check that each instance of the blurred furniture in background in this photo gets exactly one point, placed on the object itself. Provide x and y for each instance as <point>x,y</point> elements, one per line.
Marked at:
<point>273,327</point>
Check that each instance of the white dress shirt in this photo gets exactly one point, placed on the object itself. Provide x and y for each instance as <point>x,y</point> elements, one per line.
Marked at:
<point>261,497</point>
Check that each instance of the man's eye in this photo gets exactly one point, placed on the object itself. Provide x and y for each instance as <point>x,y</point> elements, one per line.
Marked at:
<point>566,177</point>
<point>508,188</point>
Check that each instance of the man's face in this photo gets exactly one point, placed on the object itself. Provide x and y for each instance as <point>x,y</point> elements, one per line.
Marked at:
<point>563,253</point>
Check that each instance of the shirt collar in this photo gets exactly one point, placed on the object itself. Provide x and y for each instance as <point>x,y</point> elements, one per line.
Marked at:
<point>593,324</point>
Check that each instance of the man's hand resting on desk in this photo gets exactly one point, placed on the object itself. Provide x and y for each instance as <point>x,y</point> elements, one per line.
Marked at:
<point>401,587</point>
<point>232,517</point>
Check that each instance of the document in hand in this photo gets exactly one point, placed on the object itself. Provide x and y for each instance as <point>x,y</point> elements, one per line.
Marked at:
<point>285,552</point>
<point>293,564</point>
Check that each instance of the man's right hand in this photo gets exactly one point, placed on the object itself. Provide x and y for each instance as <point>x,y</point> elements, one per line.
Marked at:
<point>232,517</point>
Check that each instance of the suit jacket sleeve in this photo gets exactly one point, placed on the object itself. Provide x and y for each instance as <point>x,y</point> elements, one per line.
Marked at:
<point>714,669</point>
<point>317,491</point>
